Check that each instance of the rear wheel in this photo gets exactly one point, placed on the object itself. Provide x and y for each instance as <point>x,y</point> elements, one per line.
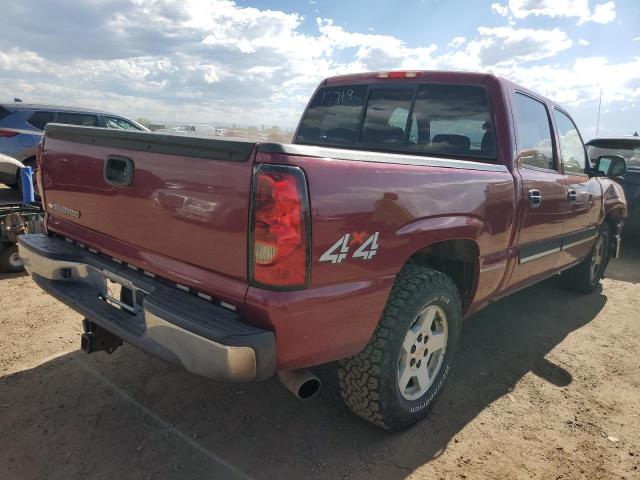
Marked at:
<point>10,261</point>
<point>585,277</point>
<point>395,380</point>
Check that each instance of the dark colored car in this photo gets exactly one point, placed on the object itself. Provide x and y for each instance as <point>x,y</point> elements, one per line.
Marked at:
<point>629,149</point>
<point>408,201</point>
<point>22,125</point>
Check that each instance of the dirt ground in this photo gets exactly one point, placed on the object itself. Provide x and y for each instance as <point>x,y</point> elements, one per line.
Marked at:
<point>546,384</point>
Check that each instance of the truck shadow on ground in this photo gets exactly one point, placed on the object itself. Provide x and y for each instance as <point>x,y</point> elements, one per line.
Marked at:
<point>131,416</point>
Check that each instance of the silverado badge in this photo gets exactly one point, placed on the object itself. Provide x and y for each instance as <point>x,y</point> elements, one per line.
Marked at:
<point>56,207</point>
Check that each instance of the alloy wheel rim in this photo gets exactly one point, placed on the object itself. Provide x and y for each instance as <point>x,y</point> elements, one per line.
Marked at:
<point>422,352</point>
<point>597,258</point>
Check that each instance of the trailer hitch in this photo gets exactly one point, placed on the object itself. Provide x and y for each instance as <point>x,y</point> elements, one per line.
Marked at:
<point>96,339</point>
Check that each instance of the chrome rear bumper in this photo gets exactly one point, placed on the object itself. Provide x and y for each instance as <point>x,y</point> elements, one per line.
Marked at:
<point>205,338</point>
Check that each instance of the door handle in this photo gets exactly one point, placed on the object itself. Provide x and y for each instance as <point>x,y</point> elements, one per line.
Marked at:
<point>535,198</point>
<point>572,195</point>
<point>118,171</point>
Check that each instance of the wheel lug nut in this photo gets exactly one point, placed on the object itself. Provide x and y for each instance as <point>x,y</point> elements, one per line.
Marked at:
<point>420,337</point>
<point>424,354</point>
<point>413,349</point>
<point>412,362</point>
<point>419,363</point>
<point>425,339</point>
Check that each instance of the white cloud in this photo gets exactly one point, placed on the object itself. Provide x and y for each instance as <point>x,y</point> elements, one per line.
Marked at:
<point>507,45</point>
<point>519,9</point>
<point>604,13</point>
<point>584,42</point>
<point>457,42</point>
<point>502,10</point>
<point>373,51</point>
<point>637,39</point>
<point>215,61</point>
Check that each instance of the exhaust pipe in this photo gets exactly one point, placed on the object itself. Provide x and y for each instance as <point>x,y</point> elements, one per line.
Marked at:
<point>302,383</point>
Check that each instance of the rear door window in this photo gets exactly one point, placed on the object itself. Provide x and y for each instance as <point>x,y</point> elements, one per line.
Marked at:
<point>40,119</point>
<point>83,119</point>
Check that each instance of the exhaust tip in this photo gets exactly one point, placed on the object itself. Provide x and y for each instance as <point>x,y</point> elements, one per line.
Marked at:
<point>302,383</point>
<point>309,389</point>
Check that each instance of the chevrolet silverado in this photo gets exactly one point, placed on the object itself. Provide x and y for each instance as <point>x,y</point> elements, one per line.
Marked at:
<point>407,202</point>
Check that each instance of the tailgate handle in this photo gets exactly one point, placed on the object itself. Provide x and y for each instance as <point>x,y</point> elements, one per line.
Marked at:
<point>118,171</point>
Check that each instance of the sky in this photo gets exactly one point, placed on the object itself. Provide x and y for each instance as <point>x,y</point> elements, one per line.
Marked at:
<point>252,62</point>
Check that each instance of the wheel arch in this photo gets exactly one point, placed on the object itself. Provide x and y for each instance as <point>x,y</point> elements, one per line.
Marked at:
<point>459,258</point>
<point>451,245</point>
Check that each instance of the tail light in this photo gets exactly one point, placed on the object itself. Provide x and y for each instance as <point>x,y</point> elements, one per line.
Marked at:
<point>8,133</point>
<point>279,245</point>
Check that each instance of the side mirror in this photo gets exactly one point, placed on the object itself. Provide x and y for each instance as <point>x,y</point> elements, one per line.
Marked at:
<point>610,166</point>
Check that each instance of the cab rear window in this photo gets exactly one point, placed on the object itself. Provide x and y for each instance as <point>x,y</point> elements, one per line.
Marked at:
<point>333,117</point>
<point>429,119</point>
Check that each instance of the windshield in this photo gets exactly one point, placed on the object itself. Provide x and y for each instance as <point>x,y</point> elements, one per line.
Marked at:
<point>418,119</point>
<point>631,155</point>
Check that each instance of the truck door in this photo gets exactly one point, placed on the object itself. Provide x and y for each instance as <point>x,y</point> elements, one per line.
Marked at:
<point>543,202</point>
<point>584,195</point>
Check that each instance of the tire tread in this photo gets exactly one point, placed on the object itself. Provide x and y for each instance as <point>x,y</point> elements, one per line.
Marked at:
<point>362,377</point>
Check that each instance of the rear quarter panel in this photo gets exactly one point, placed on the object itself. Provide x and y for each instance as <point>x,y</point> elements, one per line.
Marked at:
<point>410,207</point>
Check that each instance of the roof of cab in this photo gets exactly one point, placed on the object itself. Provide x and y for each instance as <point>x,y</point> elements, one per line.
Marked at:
<point>417,76</point>
<point>421,76</point>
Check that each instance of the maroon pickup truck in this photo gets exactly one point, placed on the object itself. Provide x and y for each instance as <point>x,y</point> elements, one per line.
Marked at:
<point>407,202</point>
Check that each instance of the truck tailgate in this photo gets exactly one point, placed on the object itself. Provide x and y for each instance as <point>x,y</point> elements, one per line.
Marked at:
<point>187,199</point>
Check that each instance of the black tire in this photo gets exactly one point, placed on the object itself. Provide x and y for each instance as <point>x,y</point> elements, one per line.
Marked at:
<point>582,278</point>
<point>9,260</point>
<point>368,381</point>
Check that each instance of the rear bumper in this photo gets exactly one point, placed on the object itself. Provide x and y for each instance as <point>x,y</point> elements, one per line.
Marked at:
<point>174,325</point>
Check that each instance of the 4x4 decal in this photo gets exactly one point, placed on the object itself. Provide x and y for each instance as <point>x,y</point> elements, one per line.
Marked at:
<point>340,250</point>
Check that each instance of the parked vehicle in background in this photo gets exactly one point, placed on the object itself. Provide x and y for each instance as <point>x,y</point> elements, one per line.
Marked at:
<point>408,201</point>
<point>629,149</point>
<point>10,171</point>
<point>190,130</point>
<point>22,125</point>
<point>16,219</point>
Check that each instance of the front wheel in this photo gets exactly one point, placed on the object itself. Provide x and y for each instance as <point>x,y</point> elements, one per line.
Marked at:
<point>585,277</point>
<point>395,380</point>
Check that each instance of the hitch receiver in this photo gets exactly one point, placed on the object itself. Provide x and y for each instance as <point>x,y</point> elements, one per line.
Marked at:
<point>96,339</point>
